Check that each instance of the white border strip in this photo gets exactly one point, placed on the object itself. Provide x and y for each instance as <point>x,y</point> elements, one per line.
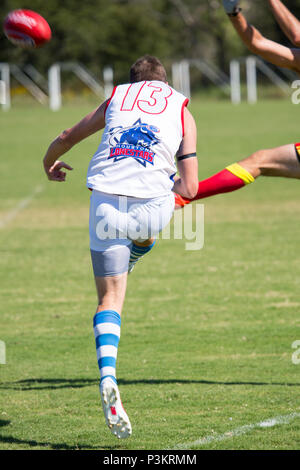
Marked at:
<point>269,423</point>
<point>19,207</point>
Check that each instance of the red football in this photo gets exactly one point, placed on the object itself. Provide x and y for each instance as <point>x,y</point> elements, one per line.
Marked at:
<point>26,28</point>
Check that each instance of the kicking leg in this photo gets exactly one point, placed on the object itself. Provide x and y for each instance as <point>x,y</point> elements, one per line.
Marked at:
<point>138,250</point>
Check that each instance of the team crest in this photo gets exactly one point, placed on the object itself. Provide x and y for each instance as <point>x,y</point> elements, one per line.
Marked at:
<point>136,141</point>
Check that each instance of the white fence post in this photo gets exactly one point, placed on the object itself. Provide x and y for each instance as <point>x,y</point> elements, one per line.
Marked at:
<point>235,81</point>
<point>185,78</point>
<point>108,78</point>
<point>5,86</point>
<point>2,352</point>
<point>54,87</point>
<point>251,80</point>
<point>181,77</point>
<point>2,92</point>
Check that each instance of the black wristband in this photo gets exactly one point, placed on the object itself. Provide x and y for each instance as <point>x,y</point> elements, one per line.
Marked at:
<point>236,11</point>
<point>183,157</point>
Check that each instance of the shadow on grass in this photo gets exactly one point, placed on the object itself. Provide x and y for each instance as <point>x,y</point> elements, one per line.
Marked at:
<point>49,445</point>
<point>53,384</point>
<point>4,422</point>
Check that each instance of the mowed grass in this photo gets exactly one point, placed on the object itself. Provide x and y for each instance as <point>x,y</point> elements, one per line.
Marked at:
<point>206,342</point>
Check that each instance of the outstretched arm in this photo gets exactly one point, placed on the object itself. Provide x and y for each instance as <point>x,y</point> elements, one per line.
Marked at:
<point>90,124</point>
<point>289,24</point>
<point>269,50</point>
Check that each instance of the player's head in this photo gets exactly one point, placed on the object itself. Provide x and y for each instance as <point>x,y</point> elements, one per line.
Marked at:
<point>147,68</point>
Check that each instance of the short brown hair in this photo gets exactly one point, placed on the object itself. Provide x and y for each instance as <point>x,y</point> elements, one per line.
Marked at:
<point>147,68</point>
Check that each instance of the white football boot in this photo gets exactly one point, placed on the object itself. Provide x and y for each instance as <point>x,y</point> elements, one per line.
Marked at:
<point>115,415</point>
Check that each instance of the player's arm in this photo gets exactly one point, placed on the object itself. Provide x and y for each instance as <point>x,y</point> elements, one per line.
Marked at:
<point>187,163</point>
<point>269,50</point>
<point>289,24</point>
<point>90,124</point>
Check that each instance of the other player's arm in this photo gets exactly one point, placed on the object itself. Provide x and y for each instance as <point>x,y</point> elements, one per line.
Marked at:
<point>90,124</point>
<point>289,24</point>
<point>269,50</point>
<point>187,163</point>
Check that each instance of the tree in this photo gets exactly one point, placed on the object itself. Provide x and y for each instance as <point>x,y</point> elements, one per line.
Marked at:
<point>101,32</point>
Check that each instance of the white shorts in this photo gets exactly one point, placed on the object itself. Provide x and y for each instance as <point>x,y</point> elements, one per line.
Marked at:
<point>117,221</point>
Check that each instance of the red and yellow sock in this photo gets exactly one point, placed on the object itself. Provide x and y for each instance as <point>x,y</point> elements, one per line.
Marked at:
<point>230,179</point>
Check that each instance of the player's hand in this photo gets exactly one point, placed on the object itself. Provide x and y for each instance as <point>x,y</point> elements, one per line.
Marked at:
<point>230,6</point>
<point>55,173</point>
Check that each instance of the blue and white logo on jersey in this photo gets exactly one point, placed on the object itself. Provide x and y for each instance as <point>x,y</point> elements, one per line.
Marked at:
<point>135,142</point>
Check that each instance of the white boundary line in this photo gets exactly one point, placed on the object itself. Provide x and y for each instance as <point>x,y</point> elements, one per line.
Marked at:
<point>269,423</point>
<point>19,207</point>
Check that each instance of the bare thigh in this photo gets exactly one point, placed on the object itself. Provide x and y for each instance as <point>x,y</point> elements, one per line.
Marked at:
<point>279,161</point>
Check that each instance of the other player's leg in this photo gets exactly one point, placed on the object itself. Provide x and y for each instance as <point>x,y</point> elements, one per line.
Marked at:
<point>281,161</point>
<point>230,179</point>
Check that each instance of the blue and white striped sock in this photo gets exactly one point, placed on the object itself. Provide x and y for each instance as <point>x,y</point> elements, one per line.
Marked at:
<point>107,326</point>
<point>137,252</point>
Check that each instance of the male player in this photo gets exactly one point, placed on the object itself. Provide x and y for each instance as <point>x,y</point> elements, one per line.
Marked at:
<point>131,175</point>
<point>281,161</point>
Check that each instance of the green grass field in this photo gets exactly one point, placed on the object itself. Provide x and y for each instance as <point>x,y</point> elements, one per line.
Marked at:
<point>206,343</point>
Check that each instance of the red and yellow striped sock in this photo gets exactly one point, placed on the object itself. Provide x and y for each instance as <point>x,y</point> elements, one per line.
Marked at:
<point>230,179</point>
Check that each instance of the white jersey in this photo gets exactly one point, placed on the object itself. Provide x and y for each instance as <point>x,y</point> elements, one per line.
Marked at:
<point>143,131</point>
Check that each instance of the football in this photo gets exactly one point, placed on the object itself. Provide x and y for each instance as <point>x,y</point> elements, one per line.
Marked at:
<point>26,28</point>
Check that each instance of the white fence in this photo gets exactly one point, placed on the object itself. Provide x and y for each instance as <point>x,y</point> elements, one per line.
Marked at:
<point>230,85</point>
<point>47,91</point>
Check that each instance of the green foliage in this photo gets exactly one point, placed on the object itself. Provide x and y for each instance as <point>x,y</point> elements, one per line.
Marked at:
<point>116,32</point>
